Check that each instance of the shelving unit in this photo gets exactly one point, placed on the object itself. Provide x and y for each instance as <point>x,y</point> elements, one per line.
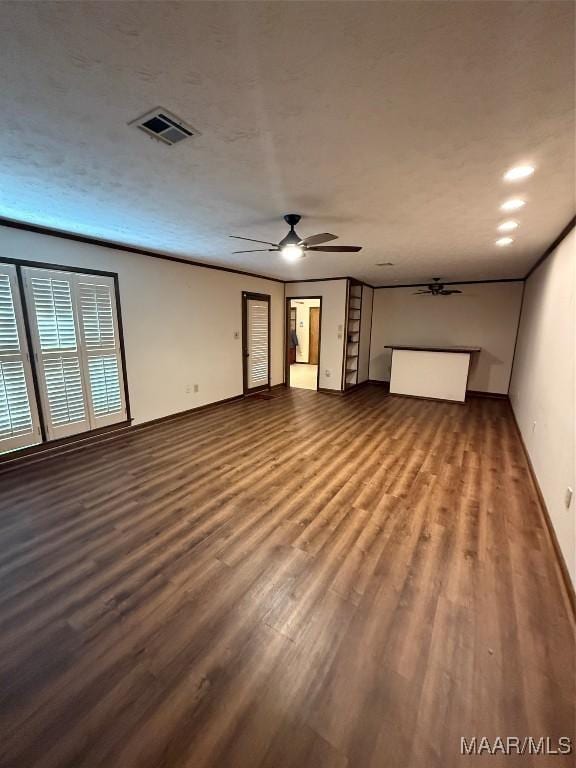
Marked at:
<point>352,348</point>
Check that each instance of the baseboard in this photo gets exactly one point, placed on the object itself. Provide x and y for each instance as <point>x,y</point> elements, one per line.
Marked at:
<point>187,412</point>
<point>85,440</point>
<point>47,450</point>
<point>428,399</point>
<point>326,391</point>
<point>565,579</point>
<point>384,384</point>
<point>491,395</point>
<point>355,386</point>
<point>469,392</point>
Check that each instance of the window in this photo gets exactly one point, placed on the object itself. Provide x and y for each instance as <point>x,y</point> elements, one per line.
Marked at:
<point>76,355</point>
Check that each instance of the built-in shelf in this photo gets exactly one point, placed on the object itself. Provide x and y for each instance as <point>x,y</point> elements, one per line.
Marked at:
<point>352,349</point>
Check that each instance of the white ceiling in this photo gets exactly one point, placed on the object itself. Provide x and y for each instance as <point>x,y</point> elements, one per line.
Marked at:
<point>387,123</point>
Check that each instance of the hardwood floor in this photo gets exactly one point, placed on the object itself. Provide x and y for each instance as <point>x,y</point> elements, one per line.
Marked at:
<point>303,581</point>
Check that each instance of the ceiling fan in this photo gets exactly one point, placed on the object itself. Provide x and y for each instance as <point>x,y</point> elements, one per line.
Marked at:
<point>436,288</point>
<point>293,247</point>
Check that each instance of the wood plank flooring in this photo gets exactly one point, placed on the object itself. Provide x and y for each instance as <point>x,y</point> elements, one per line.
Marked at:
<point>303,581</point>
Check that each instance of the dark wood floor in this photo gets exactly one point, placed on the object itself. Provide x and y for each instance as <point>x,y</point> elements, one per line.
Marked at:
<point>298,582</point>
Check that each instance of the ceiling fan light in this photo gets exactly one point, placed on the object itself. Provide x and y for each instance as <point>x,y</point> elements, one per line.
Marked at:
<point>504,241</point>
<point>292,252</point>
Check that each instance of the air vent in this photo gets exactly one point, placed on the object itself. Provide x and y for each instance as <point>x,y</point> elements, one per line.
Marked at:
<point>164,126</point>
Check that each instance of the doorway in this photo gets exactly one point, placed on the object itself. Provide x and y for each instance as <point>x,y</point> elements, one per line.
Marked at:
<point>303,327</point>
<point>255,341</point>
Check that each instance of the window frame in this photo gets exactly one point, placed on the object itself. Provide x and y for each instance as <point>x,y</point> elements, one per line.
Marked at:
<point>46,441</point>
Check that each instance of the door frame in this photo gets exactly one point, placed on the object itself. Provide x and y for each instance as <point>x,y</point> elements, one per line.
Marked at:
<point>287,338</point>
<point>246,297</point>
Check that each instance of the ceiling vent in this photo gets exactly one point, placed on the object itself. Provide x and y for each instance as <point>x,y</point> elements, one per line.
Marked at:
<point>164,126</point>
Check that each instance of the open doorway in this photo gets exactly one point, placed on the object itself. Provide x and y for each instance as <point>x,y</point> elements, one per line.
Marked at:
<point>303,325</point>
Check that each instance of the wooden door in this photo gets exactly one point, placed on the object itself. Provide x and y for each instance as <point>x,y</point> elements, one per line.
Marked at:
<point>256,341</point>
<point>291,335</point>
<point>314,337</point>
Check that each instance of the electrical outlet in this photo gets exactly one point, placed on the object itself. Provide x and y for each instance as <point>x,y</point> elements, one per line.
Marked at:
<point>327,373</point>
<point>187,390</point>
<point>568,497</point>
<point>236,334</point>
<point>195,387</point>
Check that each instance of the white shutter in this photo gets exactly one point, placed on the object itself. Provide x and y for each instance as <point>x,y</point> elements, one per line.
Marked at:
<point>19,425</point>
<point>77,348</point>
<point>101,345</point>
<point>257,327</point>
<point>50,298</point>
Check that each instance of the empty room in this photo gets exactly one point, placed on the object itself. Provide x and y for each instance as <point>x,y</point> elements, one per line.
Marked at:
<point>287,384</point>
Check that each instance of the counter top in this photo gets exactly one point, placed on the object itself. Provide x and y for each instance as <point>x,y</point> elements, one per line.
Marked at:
<point>433,349</point>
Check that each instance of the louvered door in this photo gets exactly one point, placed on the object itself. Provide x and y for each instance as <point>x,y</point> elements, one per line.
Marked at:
<point>54,326</point>
<point>256,325</point>
<point>19,424</point>
<point>101,348</point>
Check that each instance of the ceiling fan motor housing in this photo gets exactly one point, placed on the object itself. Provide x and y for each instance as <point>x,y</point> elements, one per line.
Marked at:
<point>292,238</point>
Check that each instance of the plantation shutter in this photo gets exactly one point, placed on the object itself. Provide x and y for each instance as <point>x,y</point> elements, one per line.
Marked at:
<point>101,346</point>
<point>77,349</point>
<point>257,317</point>
<point>19,425</point>
<point>50,298</point>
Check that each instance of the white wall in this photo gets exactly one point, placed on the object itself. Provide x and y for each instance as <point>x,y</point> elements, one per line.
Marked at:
<point>302,307</point>
<point>179,321</point>
<point>485,315</point>
<point>365,333</point>
<point>333,314</point>
<point>543,386</point>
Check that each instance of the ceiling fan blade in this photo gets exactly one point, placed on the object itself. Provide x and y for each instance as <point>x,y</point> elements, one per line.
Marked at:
<point>323,237</point>
<point>251,239</point>
<point>335,248</point>
<point>422,293</point>
<point>449,293</point>
<point>259,250</point>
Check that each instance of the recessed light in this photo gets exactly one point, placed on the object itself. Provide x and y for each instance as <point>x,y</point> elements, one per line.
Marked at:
<point>504,241</point>
<point>513,204</point>
<point>292,252</point>
<point>508,226</point>
<point>519,172</point>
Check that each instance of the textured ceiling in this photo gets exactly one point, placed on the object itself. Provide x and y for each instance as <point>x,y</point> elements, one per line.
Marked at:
<point>389,124</point>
